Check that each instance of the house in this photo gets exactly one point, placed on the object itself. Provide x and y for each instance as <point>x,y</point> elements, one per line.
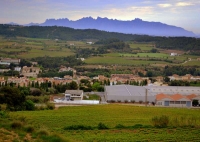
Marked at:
<point>89,42</point>
<point>22,81</point>
<point>30,71</point>
<point>10,60</point>
<point>4,70</point>
<point>73,95</point>
<point>174,54</point>
<point>17,69</point>
<point>176,100</point>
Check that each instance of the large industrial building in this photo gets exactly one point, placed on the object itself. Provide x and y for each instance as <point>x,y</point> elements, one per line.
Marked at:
<point>172,94</point>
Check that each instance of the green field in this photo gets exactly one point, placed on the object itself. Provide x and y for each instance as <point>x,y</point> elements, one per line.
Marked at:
<point>142,46</point>
<point>120,61</point>
<point>129,116</point>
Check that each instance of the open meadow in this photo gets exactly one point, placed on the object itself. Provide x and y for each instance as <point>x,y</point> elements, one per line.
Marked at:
<point>111,122</point>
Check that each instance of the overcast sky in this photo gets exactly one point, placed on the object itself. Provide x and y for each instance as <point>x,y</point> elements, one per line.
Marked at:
<point>182,13</point>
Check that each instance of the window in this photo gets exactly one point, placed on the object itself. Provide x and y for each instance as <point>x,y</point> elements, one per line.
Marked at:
<point>183,102</point>
<point>177,102</point>
<point>171,102</point>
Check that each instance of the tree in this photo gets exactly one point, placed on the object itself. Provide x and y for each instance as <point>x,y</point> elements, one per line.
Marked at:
<point>73,85</point>
<point>166,79</point>
<point>195,103</point>
<point>13,98</point>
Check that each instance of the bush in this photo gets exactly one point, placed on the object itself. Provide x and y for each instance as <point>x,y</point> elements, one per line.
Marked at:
<point>161,121</point>
<point>138,126</point>
<point>140,101</point>
<point>4,114</point>
<point>102,126</point>
<point>78,127</point>
<point>16,124</point>
<point>29,105</point>
<point>119,101</point>
<point>3,107</point>
<point>126,101</point>
<point>120,126</point>
<point>29,129</point>
<point>133,101</point>
<point>43,132</point>
<point>50,106</point>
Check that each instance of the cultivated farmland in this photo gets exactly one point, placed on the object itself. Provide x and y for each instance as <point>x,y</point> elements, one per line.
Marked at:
<point>122,123</point>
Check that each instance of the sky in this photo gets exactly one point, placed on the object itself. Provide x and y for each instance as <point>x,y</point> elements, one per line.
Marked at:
<point>181,13</point>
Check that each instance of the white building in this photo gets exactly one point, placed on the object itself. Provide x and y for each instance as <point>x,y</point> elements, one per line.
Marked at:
<point>73,95</point>
<point>18,69</point>
<point>174,54</point>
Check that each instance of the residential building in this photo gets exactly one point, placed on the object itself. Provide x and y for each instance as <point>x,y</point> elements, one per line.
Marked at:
<point>174,54</point>
<point>17,69</point>
<point>30,71</point>
<point>73,95</point>
<point>10,60</point>
<point>176,100</point>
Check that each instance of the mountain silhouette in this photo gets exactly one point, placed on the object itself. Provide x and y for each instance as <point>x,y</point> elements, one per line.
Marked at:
<point>136,26</point>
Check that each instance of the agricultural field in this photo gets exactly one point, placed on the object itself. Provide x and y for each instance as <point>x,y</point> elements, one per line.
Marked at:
<point>120,61</point>
<point>34,47</point>
<point>111,122</point>
<point>142,46</point>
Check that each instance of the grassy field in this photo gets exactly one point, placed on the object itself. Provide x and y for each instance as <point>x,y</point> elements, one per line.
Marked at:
<point>142,46</point>
<point>36,47</point>
<point>54,121</point>
<point>120,61</point>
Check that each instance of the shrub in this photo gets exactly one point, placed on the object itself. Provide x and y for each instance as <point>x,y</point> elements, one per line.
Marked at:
<point>133,101</point>
<point>137,126</point>
<point>4,114</point>
<point>29,105</point>
<point>119,101</point>
<point>29,128</point>
<point>161,121</point>
<point>102,126</point>
<point>140,101</point>
<point>120,126</point>
<point>50,106</point>
<point>78,127</point>
<point>126,101</point>
<point>43,132</point>
<point>3,107</point>
<point>16,124</point>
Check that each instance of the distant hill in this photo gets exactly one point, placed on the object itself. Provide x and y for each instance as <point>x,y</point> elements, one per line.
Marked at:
<point>136,26</point>
<point>65,33</point>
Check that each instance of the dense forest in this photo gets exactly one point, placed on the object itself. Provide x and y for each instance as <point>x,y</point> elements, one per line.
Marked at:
<point>64,33</point>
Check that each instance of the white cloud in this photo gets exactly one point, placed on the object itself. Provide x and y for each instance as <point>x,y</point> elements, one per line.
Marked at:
<point>164,5</point>
<point>184,4</point>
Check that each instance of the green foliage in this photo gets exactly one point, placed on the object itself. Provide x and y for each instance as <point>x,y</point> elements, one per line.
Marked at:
<point>16,124</point>
<point>13,98</point>
<point>195,102</point>
<point>29,128</point>
<point>29,105</point>
<point>78,127</point>
<point>120,126</point>
<point>4,114</point>
<point>102,126</point>
<point>38,99</point>
<point>161,121</point>
<point>55,74</point>
<point>43,132</point>
<point>50,106</point>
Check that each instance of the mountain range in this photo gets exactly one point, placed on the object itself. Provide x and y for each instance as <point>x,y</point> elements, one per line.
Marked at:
<point>136,26</point>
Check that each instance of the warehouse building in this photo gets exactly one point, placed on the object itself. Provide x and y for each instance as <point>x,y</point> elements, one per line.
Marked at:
<point>160,95</point>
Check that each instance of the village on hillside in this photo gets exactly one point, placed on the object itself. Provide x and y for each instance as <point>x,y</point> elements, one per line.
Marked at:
<point>118,88</point>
